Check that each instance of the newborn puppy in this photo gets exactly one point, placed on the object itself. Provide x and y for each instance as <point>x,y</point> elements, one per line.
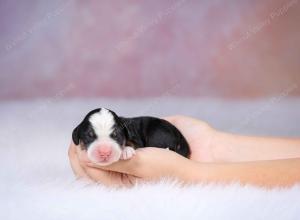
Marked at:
<point>107,137</point>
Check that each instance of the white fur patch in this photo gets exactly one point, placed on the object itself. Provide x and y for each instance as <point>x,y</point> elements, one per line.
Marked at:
<point>103,123</point>
<point>116,152</point>
<point>127,153</point>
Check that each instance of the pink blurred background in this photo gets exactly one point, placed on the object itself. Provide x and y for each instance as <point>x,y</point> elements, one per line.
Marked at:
<point>87,48</point>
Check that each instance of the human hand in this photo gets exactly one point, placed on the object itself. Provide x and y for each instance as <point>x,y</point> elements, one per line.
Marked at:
<point>148,164</point>
<point>199,135</point>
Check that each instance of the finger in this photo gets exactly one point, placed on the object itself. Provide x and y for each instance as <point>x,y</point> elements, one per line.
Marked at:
<point>97,175</point>
<point>110,178</point>
<point>122,166</point>
<point>75,164</point>
<point>135,166</point>
<point>82,155</point>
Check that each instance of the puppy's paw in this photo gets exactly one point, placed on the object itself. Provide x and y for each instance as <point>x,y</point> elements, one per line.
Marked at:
<point>127,153</point>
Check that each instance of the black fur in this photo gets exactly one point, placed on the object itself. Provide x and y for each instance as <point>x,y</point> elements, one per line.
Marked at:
<point>84,133</point>
<point>155,132</point>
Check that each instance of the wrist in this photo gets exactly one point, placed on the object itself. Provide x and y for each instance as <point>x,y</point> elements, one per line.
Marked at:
<point>190,172</point>
<point>209,173</point>
<point>222,147</point>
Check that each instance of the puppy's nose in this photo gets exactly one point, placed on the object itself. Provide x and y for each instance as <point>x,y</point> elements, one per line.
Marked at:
<point>104,151</point>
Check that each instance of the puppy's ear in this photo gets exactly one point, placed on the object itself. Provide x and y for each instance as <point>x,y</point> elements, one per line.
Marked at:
<point>75,135</point>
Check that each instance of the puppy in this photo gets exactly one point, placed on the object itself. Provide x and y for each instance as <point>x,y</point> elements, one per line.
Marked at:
<point>108,138</point>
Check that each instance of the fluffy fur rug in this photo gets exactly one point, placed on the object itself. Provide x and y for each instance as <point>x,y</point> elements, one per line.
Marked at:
<point>36,181</point>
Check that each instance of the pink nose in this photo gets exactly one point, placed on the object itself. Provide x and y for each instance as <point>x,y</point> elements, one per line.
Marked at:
<point>104,151</point>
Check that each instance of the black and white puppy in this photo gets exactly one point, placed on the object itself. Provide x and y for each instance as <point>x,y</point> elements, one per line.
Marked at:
<point>107,137</point>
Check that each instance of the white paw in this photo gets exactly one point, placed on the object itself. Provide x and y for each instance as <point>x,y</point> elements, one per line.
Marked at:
<point>127,153</point>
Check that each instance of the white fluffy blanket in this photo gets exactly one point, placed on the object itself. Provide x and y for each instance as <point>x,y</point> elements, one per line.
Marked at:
<point>36,181</point>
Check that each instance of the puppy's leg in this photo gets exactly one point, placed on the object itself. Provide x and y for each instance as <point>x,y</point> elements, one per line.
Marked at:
<point>127,153</point>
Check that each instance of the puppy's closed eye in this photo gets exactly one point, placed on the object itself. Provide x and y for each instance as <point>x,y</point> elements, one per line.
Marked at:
<point>90,134</point>
<point>114,134</point>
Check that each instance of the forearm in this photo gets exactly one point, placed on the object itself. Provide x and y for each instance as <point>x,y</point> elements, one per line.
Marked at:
<point>262,173</point>
<point>234,148</point>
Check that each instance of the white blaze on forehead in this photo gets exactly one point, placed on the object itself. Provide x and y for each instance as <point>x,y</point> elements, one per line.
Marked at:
<point>102,122</point>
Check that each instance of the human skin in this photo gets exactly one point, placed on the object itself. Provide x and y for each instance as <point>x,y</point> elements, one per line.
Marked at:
<point>216,157</point>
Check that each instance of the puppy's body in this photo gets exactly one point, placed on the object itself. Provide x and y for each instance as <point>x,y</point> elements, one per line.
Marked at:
<point>107,137</point>
<point>154,132</point>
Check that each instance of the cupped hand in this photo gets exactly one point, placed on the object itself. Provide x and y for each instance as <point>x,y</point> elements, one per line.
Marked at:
<point>147,164</point>
<point>198,134</point>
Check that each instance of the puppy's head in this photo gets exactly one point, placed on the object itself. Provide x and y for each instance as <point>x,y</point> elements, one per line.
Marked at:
<point>102,135</point>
